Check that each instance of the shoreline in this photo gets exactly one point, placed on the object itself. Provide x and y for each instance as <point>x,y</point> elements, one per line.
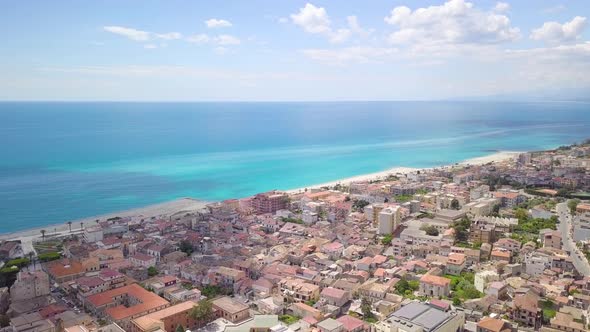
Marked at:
<point>154,210</point>
<point>498,156</point>
<point>191,204</point>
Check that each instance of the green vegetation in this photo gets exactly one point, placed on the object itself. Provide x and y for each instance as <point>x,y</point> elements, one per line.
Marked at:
<point>430,230</point>
<point>49,256</point>
<point>407,288</point>
<point>572,204</point>
<point>403,198</point>
<point>528,228</point>
<point>548,310</point>
<point>310,303</point>
<point>391,177</point>
<point>186,247</point>
<point>152,271</point>
<point>386,240</point>
<point>359,205</point>
<point>288,319</point>
<point>180,328</point>
<point>461,228</point>
<point>292,220</point>
<point>421,191</point>
<point>366,309</point>
<point>455,204</point>
<point>212,291</point>
<point>19,262</point>
<point>202,311</point>
<point>548,204</point>
<point>463,287</point>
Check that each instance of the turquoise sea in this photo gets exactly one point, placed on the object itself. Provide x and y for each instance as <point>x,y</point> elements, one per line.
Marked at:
<point>64,161</point>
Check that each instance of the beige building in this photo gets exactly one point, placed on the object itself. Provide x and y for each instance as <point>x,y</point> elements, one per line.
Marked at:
<point>389,219</point>
<point>296,290</point>
<point>29,285</point>
<point>434,286</point>
<point>231,309</point>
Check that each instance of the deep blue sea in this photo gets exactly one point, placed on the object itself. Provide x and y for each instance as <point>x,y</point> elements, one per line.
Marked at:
<point>63,161</point>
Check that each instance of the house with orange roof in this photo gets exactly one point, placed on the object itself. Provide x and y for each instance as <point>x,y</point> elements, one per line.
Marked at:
<point>500,255</point>
<point>167,319</point>
<point>434,286</point>
<point>65,270</point>
<point>489,324</point>
<point>123,304</point>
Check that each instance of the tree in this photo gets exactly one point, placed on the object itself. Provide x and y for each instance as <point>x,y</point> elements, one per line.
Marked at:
<point>43,234</point>
<point>359,205</point>
<point>186,247</point>
<point>455,204</point>
<point>430,230</point>
<point>180,328</point>
<point>152,271</point>
<point>81,225</point>
<point>70,225</point>
<point>572,204</point>
<point>366,308</point>
<point>461,228</point>
<point>202,311</point>
<point>386,240</point>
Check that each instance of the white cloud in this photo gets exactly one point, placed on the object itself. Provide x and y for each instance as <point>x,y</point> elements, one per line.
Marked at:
<point>312,19</point>
<point>198,39</point>
<point>555,32</point>
<point>130,33</point>
<point>217,23</point>
<point>227,40</point>
<point>502,7</point>
<point>454,22</point>
<point>150,46</point>
<point>315,20</point>
<point>169,35</point>
<point>283,20</point>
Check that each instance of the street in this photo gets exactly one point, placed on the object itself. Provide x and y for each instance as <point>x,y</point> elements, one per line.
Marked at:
<point>565,228</point>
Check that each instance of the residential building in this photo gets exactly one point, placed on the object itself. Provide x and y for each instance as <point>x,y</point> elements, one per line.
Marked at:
<point>434,286</point>
<point>167,319</point>
<point>29,285</point>
<point>231,309</point>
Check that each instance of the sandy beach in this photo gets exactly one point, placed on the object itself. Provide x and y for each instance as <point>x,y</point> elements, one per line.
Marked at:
<point>189,204</point>
<point>155,210</point>
<point>494,157</point>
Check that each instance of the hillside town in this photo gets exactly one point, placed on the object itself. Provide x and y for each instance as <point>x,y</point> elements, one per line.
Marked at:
<point>498,247</point>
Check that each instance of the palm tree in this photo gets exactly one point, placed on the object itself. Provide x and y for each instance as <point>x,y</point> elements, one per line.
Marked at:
<point>43,234</point>
<point>70,225</point>
<point>81,225</point>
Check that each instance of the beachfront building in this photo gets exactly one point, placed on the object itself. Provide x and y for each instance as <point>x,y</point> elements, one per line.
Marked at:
<point>270,202</point>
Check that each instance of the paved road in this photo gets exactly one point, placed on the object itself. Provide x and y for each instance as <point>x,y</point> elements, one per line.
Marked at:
<point>565,227</point>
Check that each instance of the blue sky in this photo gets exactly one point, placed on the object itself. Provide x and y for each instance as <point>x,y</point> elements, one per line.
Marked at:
<point>291,50</point>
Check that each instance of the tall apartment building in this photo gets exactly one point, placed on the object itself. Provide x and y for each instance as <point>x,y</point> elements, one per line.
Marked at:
<point>270,202</point>
<point>389,220</point>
